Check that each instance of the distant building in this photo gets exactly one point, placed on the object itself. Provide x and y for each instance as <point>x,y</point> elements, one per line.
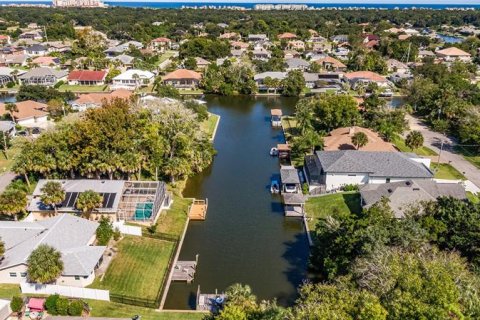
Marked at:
<point>183,79</point>
<point>78,3</point>
<point>30,113</point>
<point>133,79</point>
<point>87,77</point>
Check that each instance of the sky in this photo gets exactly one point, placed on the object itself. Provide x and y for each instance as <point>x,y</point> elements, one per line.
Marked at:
<point>408,2</point>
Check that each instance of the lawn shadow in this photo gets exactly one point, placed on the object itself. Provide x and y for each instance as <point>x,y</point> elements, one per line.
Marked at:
<point>352,200</point>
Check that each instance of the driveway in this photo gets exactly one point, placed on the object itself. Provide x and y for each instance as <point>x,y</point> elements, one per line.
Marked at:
<point>5,179</point>
<point>433,140</point>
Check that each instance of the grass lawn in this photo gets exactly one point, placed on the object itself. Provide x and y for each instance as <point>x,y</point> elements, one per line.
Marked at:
<point>471,154</point>
<point>77,88</point>
<point>6,165</point>
<point>446,171</point>
<point>173,221</point>
<point>7,291</point>
<point>399,142</point>
<point>117,310</point>
<point>165,56</point>
<point>338,204</point>
<point>473,198</point>
<point>290,127</point>
<point>193,92</point>
<point>208,126</point>
<point>138,268</point>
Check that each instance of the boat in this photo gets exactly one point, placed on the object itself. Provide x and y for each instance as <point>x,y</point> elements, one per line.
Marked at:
<point>275,187</point>
<point>274,152</point>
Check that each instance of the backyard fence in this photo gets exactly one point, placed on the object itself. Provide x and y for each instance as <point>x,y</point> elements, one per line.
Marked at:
<point>162,236</point>
<point>67,291</point>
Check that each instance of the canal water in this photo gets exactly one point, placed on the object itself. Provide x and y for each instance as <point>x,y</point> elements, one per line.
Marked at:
<point>245,238</point>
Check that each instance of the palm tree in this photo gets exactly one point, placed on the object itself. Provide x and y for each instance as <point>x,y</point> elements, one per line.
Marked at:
<point>45,264</point>
<point>359,140</point>
<point>11,108</point>
<point>414,140</point>
<point>88,201</point>
<point>52,194</point>
<point>241,295</point>
<point>13,202</point>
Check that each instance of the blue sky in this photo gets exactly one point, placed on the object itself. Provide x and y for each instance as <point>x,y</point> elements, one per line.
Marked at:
<point>409,2</point>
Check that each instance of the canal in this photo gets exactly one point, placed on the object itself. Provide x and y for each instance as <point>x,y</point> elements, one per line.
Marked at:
<point>245,238</point>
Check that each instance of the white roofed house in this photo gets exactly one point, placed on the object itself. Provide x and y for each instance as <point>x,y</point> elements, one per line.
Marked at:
<point>331,170</point>
<point>133,79</point>
<point>72,236</point>
<point>397,66</point>
<point>260,53</point>
<point>262,80</point>
<point>297,64</point>
<point>453,54</point>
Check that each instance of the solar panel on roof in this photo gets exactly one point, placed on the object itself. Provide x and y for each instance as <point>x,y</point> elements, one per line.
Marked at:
<point>108,200</point>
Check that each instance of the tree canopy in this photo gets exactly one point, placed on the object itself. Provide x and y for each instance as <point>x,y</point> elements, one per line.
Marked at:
<point>45,264</point>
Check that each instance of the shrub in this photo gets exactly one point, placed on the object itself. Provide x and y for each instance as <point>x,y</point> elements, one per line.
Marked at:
<point>16,304</point>
<point>116,234</point>
<point>305,188</point>
<point>51,304</point>
<point>104,231</point>
<point>62,306</point>
<point>350,187</point>
<point>10,84</point>
<point>75,308</point>
<point>59,84</point>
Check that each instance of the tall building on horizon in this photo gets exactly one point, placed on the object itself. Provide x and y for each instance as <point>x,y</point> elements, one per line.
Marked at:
<point>78,3</point>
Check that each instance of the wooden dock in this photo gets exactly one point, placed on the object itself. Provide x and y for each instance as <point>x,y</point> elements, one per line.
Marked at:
<point>211,302</point>
<point>198,210</point>
<point>185,270</point>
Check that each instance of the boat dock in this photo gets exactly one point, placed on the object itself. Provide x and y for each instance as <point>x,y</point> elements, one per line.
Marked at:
<point>185,270</point>
<point>198,210</point>
<point>276,117</point>
<point>210,302</point>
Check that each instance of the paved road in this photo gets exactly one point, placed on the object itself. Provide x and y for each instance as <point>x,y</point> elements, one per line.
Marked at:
<point>433,141</point>
<point>5,179</point>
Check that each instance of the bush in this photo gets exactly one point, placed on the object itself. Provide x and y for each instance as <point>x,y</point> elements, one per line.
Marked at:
<point>51,304</point>
<point>350,187</point>
<point>104,231</point>
<point>10,85</point>
<point>75,308</point>
<point>59,84</point>
<point>305,188</point>
<point>116,234</point>
<point>16,304</point>
<point>62,306</point>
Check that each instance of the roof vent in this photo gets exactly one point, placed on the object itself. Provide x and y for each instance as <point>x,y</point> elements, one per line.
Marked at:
<point>103,181</point>
<point>416,189</point>
<point>389,190</point>
<point>408,183</point>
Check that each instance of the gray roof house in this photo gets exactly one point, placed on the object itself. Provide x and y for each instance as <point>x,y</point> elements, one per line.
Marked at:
<point>124,59</point>
<point>405,193</point>
<point>331,170</point>
<point>297,64</point>
<point>72,236</point>
<point>43,76</point>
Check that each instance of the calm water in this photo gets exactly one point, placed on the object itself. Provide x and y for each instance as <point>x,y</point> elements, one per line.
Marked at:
<point>246,238</point>
<point>450,39</point>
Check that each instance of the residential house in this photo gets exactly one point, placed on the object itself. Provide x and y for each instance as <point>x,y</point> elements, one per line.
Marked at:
<point>332,64</point>
<point>260,53</point>
<point>297,64</point>
<point>341,53</point>
<point>161,44</point>
<point>403,37</point>
<point>276,75</point>
<point>97,99</point>
<point>239,45</point>
<point>8,128</point>
<point>397,66</point>
<point>257,37</point>
<point>202,64</point>
<point>341,139</point>
<point>324,81</point>
<point>30,113</point>
<point>296,45</point>
<point>14,60</point>
<point>87,77</point>
<point>46,61</point>
<point>363,78</point>
<point>32,35</point>
<point>125,61</point>
<point>140,201</point>
<point>119,49</point>
<point>9,75</point>
<point>287,36</point>
<point>289,54</point>
<point>237,53</point>
<point>341,38</point>
<point>59,46</point>
<point>453,54</point>
<point>133,79</point>
<point>403,194</point>
<point>37,50</point>
<point>183,79</point>
<point>422,54</point>
<point>44,76</point>
<point>72,236</point>
<point>4,39</point>
<point>331,170</point>
<point>229,36</point>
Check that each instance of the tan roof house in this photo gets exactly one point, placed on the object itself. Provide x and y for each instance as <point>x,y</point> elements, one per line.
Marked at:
<point>365,77</point>
<point>287,36</point>
<point>332,64</point>
<point>452,54</point>
<point>183,79</point>
<point>341,139</point>
<point>30,113</point>
<point>96,99</point>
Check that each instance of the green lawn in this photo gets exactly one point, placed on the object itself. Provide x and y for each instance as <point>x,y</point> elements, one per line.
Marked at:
<point>173,221</point>
<point>6,164</point>
<point>187,92</point>
<point>289,125</point>
<point>208,126</point>
<point>78,88</point>
<point>138,268</point>
<point>475,198</point>
<point>336,204</point>
<point>399,142</point>
<point>117,310</point>
<point>446,171</point>
<point>7,291</point>
<point>471,154</point>
<point>165,56</point>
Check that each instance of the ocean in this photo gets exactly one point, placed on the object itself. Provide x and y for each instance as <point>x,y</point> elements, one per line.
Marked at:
<point>177,5</point>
